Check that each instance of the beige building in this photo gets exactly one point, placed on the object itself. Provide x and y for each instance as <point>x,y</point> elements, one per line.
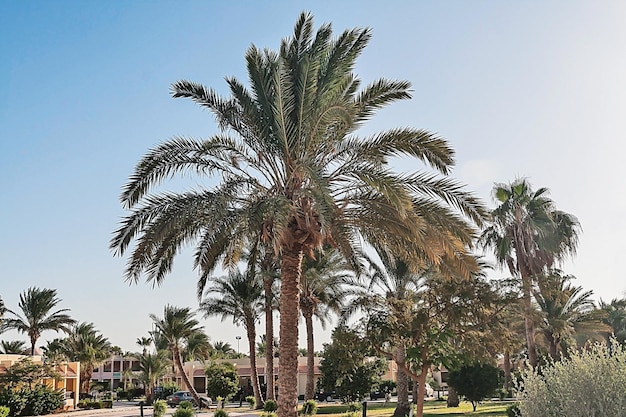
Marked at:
<point>69,380</point>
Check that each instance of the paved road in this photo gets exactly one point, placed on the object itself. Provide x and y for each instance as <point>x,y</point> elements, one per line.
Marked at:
<point>133,410</point>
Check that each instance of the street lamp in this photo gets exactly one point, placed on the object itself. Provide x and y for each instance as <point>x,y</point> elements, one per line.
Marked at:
<point>238,339</point>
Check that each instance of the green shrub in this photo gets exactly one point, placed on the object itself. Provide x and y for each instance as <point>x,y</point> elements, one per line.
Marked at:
<point>159,407</point>
<point>587,383</point>
<point>268,414</point>
<point>353,407</point>
<point>38,400</point>
<point>184,412</point>
<point>4,411</point>
<point>309,408</point>
<point>96,405</point>
<point>351,414</point>
<point>251,401</point>
<point>185,405</point>
<point>107,404</point>
<point>270,406</point>
<point>513,410</point>
<point>220,412</point>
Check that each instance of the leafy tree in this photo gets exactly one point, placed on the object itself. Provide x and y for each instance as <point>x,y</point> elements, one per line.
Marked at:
<point>295,174</point>
<point>240,297</point>
<point>567,312</point>
<point>14,347</point>
<point>346,367</point>
<point>222,380</point>
<point>38,315</point>
<point>25,372</point>
<point>177,325</point>
<point>528,234</point>
<point>442,321</point>
<point>475,382</point>
<point>152,367</point>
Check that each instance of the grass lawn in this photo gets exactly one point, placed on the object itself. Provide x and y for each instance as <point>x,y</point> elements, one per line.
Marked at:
<point>431,409</point>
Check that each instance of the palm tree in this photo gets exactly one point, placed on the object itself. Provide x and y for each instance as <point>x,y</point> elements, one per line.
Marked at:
<point>152,367</point>
<point>198,347</point>
<point>176,326</point>
<point>14,347</point>
<point>224,350</point>
<point>144,343</point>
<point>295,174</point>
<point>37,306</point>
<point>528,235</point>
<point>566,312</point>
<point>239,296</point>
<point>323,289</point>
<point>615,318</point>
<point>86,345</point>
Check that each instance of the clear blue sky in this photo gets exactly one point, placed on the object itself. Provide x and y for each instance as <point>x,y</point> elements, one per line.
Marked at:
<point>535,89</point>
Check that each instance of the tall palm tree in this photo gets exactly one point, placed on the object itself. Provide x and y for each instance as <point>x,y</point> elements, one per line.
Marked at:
<point>86,345</point>
<point>240,297</point>
<point>566,312</point>
<point>324,288</point>
<point>152,367</point>
<point>295,174</point>
<point>38,315</point>
<point>144,343</point>
<point>177,325</point>
<point>528,234</point>
<point>14,347</point>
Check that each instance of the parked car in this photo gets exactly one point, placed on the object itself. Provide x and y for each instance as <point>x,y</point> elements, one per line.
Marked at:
<point>179,396</point>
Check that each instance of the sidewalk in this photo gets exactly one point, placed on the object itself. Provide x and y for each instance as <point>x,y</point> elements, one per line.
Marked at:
<point>135,411</point>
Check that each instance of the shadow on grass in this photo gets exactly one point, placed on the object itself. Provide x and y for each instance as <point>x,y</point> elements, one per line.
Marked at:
<point>431,409</point>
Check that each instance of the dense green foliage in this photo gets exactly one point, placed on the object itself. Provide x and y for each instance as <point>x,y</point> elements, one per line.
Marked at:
<point>345,369</point>
<point>37,400</point>
<point>222,380</point>
<point>159,408</point>
<point>270,406</point>
<point>475,382</point>
<point>588,383</point>
<point>309,408</point>
<point>4,411</point>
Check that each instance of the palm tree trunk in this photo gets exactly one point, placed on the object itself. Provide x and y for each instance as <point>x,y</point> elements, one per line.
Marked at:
<point>288,351</point>
<point>269,328</point>
<point>309,392</point>
<point>528,321</point>
<point>188,384</point>
<point>256,389</point>
<point>33,341</point>
<point>403,406</point>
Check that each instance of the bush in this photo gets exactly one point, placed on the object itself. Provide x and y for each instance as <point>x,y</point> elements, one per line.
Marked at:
<point>251,401</point>
<point>4,411</point>
<point>270,406</point>
<point>309,408</point>
<point>107,404</point>
<point>184,412</point>
<point>513,410</point>
<point>353,407</point>
<point>588,383</point>
<point>185,405</point>
<point>351,414</point>
<point>268,414</point>
<point>159,407</point>
<point>220,412</point>
<point>38,400</point>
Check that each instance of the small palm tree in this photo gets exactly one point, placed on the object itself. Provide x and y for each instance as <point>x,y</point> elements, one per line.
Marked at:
<point>240,297</point>
<point>152,367</point>
<point>198,347</point>
<point>144,343</point>
<point>223,350</point>
<point>615,318</point>
<point>177,325</point>
<point>14,347</point>
<point>86,345</point>
<point>566,312</point>
<point>38,315</point>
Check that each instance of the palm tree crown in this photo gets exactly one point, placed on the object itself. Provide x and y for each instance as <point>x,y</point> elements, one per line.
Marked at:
<point>38,315</point>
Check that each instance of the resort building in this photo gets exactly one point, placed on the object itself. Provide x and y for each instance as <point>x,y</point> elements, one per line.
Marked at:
<point>68,376</point>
